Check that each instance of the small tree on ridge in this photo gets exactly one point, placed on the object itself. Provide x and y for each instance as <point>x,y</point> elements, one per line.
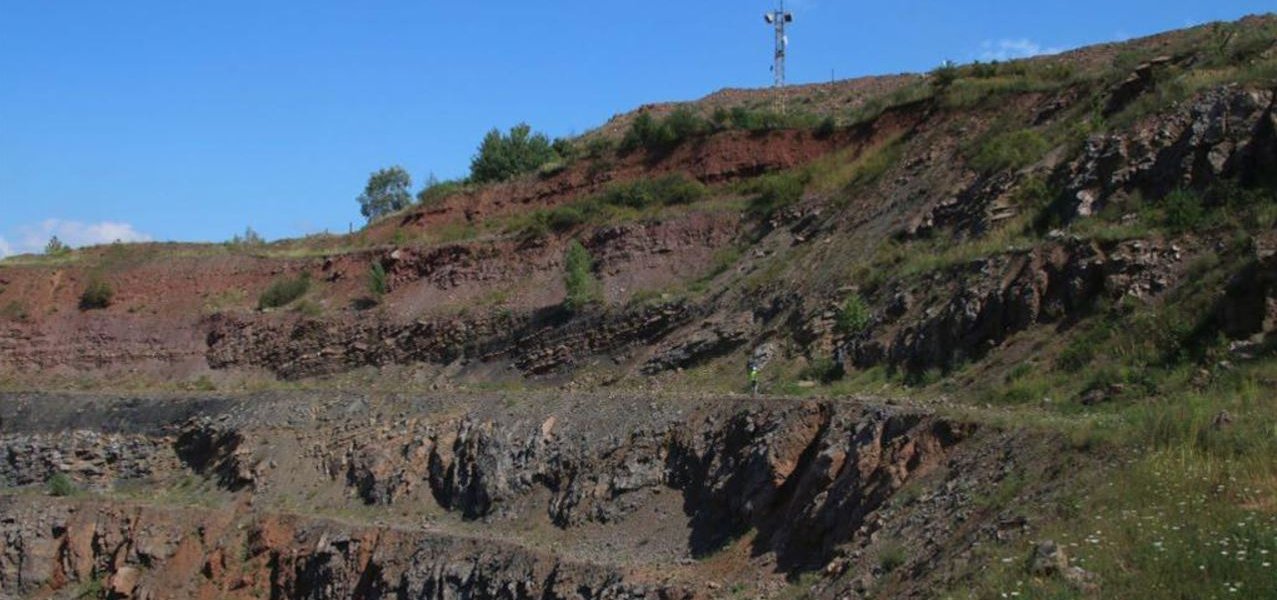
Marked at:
<point>388,190</point>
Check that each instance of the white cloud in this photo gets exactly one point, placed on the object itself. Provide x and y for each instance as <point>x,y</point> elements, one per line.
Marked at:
<point>1010,49</point>
<point>32,238</point>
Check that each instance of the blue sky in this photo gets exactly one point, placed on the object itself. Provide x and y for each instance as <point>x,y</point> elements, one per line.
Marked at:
<point>142,120</point>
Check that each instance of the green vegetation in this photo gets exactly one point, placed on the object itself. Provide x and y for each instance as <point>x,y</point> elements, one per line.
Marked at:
<point>387,191</point>
<point>59,485</point>
<point>284,291</point>
<point>772,193</point>
<point>944,75</point>
<point>377,285</point>
<point>435,191</point>
<point>98,294</point>
<point>891,557</point>
<point>14,310</point>
<point>1010,151</point>
<point>617,201</point>
<point>250,238</point>
<point>662,135</point>
<point>665,191</point>
<point>56,248</point>
<point>1183,210</point>
<point>93,588</point>
<point>503,157</point>
<point>583,289</point>
<point>854,316</point>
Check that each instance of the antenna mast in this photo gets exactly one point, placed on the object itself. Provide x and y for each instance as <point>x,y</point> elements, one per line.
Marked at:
<point>778,19</point>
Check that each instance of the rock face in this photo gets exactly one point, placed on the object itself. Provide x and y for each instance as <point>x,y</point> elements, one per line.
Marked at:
<point>1223,134</point>
<point>806,477</point>
<point>161,553</point>
<point>964,312</point>
<point>535,343</point>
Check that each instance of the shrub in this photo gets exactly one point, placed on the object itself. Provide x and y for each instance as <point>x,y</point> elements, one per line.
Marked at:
<point>1014,150</point>
<point>250,238</point>
<point>665,191</point>
<point>599,147</point>
<point>435,191</point>
<point>824,370</point>
<point>566,149</point>
<point>385,193</point>
<point>583,289</point>
<point>60,486</point>
<point>1183,210</point>
<point>377,284</point>
<point>284,291</point>
<point>662,135</point>
<point>502,157</point>
<point>944,75</point>
<point>55,247</point>
<point>761,120</point>
<point>97,295</point>
<point>854,315</point>
<point>776,192</point>
<point>827,127</point>
<point>564,218</point>
<point>892,557</point>
<point>984,70</point>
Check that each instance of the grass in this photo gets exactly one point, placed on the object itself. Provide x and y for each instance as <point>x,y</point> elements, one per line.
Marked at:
<point>59,485</point>
<point>1010,151</point>
<point>284,291</point>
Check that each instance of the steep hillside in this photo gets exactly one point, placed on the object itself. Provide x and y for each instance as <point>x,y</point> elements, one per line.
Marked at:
<point>1013,323</point>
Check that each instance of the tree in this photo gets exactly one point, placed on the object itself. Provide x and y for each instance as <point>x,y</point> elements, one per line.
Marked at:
<point>56,247</point>
<point>502,157</point>
<point>387,191</point>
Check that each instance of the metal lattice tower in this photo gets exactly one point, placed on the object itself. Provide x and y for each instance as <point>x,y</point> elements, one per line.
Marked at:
<point>778,19</point>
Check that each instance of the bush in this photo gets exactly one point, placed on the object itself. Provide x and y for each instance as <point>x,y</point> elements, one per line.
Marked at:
<point>60,486</point>
<point>566,149</point>
<point>284,291</point>
<point>776,192</point>
<point>97,295</point>
<point>503,157</point>
<point>892,557</point>
<point>665,191</point>
<point>824,370</point>
<point>55,247</point>
<point>435,191</point>
<point>564,218</point>
<point>1014,150</point>
<point>761,120</point>
<point>385,193</point>
<point>662,135</point>
<point>377,284</point>
<point>250,238</point>
<point>854,316</point>
<point>582,287</point>
<point>1183,210</point>
<point>944,75</point>
<point>827,127</point>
